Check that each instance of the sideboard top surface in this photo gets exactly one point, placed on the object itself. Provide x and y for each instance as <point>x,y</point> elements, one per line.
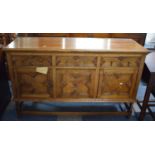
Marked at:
<point>74,44</point>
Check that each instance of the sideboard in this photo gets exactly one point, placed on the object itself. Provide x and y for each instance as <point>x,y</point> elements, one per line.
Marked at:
<point>74,70</point>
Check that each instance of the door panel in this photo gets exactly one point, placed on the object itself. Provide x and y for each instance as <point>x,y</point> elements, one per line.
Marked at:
<point>75,83</point>
<point>33,84</point>
<point>117,83</point>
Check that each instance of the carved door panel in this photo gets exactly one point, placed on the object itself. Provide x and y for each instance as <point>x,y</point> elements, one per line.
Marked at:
<point>75,83</point>
<point>117,83</point>
<point>31,84</point>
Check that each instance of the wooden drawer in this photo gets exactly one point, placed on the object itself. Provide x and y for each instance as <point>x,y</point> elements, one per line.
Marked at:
<point>120,61</point>
<point>32,60</point>
<point>76,61</point>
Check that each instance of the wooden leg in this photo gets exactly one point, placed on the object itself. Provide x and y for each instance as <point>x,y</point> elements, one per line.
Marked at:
<point>146,100</point>
<point>18,108</point>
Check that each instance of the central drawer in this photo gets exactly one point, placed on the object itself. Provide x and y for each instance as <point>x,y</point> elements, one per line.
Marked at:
<point>76,61</point>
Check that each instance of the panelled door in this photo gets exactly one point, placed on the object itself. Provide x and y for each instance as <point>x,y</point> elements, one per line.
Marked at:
<point>117,83</point>
<point>33,76</point>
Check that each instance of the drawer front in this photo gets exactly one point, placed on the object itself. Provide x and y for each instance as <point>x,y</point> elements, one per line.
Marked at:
<point>32,60</point>
<point>120,62</point>
<point>117,83</point>
<point>76,61</point>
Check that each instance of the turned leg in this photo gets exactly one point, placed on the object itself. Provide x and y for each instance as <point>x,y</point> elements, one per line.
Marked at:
<point>146,99</point>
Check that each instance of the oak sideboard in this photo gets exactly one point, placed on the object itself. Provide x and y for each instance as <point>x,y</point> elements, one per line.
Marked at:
<point>74,70</point>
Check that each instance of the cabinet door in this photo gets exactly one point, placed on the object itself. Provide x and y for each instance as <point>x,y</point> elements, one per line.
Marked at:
<point>117,83</point>
<point>31,84</point>
<point>74,83</point>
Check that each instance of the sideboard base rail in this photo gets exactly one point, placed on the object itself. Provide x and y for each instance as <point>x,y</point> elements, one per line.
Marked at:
<point>126,112</point>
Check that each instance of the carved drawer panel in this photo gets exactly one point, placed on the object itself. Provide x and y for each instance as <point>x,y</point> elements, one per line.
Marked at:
<point>120,62</point>
<point>73,61</point>
<point>32,60</point>
<point>33,84</point>
<point>117,83</point>
<point>75,83</point>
